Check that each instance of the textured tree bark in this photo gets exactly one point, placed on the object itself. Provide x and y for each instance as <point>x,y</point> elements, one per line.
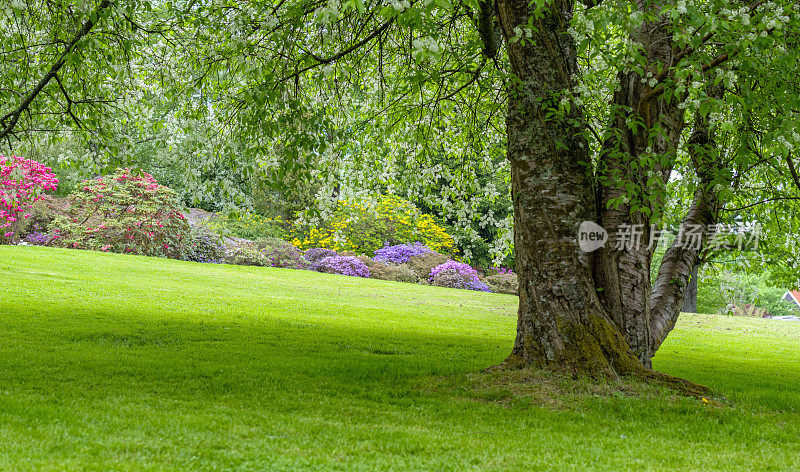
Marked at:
<point>561,322</point>
<point>624,272</point>
<point>589,313</point>
<point>680,260</point>
<point>690,297</point>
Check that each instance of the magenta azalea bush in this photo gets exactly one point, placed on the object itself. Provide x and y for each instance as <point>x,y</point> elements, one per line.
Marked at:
<point>22,181</point>
<point>342,265</point>
<point>401,253</point>
<point>125,212</point>
<point>457,275</point>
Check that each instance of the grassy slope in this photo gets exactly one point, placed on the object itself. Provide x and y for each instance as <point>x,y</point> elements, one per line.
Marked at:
<point>130,363</point>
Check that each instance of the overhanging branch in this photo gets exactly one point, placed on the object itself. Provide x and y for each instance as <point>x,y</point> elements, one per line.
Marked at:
<point>9,121</point>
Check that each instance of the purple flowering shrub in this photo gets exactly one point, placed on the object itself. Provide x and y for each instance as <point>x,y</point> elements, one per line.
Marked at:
<point>457,275</point>
<point>342,265</point>
<point>37,238</point>
<point>401,253</point>
<point>316,254</point>
<point>204,245</point>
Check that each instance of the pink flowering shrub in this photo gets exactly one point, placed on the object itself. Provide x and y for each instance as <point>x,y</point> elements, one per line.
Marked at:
<point>124,212</point>
<point>22,181</point>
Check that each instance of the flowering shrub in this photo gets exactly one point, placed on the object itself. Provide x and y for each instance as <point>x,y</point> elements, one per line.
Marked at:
<point>504,282</point>
<point>401,253</point>
<point>363,227</point>
<point>499,271</point>
<point>37,238</point>
<point>124,212</point>
<point>271,252</point>
<point>424,263</point>
<point>22,181</point>
<point>279,253</point>
<point>204,245</point>
<point>393,272</point>
<point>457,275</point>
<point>318,253</point>
<point>342,265</point>
<point>245,255</point>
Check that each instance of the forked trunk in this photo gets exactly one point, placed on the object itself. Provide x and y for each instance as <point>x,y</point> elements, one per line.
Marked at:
<point>592,313</point>
<point>561,321</point>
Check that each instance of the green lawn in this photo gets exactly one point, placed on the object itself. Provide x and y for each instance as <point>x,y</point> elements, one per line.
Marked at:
<point>112,362</point>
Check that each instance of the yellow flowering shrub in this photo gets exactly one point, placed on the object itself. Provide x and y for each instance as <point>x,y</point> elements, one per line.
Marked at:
<point>362,227</point>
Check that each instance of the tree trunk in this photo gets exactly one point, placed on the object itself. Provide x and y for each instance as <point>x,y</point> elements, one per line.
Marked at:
<point>589,313</point>
<point>690,296</point>
<point>561,322</point>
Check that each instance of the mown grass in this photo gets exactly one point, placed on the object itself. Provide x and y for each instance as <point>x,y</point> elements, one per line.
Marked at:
<point>111,362</point>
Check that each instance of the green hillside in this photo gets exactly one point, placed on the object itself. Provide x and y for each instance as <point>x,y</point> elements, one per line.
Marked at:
<point>113,362</point>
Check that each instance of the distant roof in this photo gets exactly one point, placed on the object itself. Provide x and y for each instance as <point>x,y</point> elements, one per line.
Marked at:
<point>792,296</point>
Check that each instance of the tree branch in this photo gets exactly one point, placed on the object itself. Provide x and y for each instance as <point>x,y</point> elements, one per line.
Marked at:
<point>9,121</point>
<point>486,27</point>
<point>321,60</point>
<point>793,170</point>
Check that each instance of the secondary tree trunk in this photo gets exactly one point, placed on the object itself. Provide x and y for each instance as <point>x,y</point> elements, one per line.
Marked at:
<point>690,297</point>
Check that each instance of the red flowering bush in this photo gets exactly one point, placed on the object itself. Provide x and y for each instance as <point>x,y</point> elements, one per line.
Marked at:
<point>22,181</point>
<point>125,212</point>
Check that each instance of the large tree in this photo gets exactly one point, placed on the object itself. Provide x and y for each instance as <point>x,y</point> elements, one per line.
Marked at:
<point>604,103</point>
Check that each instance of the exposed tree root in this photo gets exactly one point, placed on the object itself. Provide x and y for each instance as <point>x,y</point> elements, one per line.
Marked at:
<point>679,385</point>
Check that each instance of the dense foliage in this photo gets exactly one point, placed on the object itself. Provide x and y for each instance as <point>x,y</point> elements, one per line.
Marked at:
<point>317,253</point>
<point>204,245</point>
<point>248,225</point>
<point>279,253</point>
